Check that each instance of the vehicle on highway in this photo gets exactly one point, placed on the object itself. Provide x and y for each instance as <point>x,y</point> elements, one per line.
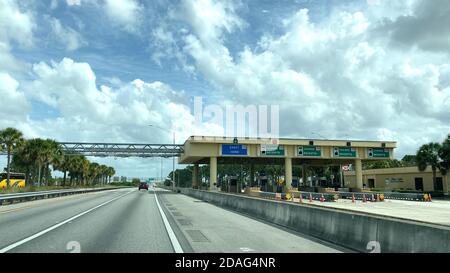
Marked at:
<point>143,185</point>
<point>16,180</point>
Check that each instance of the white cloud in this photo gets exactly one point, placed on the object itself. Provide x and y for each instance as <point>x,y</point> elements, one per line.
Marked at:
<point>15,25</point>
<point>14,105</point>
<point>125,13</point>
<point>209,19</point>
<point>120,113</point>
<point>67,36</point>
<point>337,76</point>
<point>426,27</point>
<point>73,2</point>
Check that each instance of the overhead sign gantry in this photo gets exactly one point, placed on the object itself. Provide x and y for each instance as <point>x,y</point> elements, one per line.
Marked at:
<point>208,150</point>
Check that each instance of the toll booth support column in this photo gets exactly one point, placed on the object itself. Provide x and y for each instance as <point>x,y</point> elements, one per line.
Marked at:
<point>288,172</point>
<point>446,185</point>
<point>212,172</point>
<point>358,173</point>
<point>304,178</point>
<point>251,170</point>
<point>195,177</point>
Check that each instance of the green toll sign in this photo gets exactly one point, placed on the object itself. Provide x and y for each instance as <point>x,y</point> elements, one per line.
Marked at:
<point>272,150</point>
<point>309,151</point>
<point>378,153</point>
<point>344,152</point>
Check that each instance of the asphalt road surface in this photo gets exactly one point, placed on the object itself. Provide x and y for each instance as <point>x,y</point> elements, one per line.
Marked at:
<point>128,220</point>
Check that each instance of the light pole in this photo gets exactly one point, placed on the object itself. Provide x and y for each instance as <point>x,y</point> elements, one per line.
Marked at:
<point>173,158</point>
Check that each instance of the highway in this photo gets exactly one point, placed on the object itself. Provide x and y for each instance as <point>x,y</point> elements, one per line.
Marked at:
<point>128,220</point>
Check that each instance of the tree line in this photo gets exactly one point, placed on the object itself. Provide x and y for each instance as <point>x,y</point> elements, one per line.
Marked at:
<point>38,157</point>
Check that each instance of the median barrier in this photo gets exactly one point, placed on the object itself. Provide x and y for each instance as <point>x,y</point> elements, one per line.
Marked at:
<point>353,230</point>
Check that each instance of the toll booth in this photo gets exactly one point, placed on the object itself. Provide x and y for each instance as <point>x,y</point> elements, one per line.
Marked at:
<point>295,182</point>
<point>263,182</point>
<point>223,184</point>
<point>232,184</point>
<point>280,185</point>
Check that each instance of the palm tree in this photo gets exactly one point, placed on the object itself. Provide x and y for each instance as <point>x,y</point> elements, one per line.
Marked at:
<point>93,172</point>
<point>444,154</point>
<point>428,155</point>
<point>111,173</point>
<point>10,139</point>
<point>103,171</point>
<point>77,166</point>
<point>52,154</point>
<point>62,164</point>
<point>36,152</point>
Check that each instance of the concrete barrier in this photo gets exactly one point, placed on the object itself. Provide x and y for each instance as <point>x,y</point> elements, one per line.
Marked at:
<point>349,229</point>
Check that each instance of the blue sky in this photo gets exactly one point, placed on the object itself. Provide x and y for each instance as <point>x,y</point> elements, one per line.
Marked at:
<point>86,70</point>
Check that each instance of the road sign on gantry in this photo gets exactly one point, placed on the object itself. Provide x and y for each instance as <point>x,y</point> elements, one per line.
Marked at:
<point>234,149</point>
<point>344,152</point>
<point>272,150</point>
<point>378,153</point>
<point>309,151</point>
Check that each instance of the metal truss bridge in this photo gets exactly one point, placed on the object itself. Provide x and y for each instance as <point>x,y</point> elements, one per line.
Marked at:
<point>119,149</point>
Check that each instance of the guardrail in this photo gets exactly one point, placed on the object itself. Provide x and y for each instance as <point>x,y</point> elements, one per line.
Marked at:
<point>6,199</point>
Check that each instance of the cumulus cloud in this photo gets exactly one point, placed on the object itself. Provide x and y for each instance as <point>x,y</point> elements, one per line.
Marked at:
<point>67,36</point>
<point>334,76</point>
<point>426,27</point>
<point>125,13</point>
<point>73,2</point>
<point>15,25</point>
<point>14,105</point>
<point>120,113</point>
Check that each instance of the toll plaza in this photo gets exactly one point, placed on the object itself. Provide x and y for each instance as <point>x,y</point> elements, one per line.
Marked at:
<point>286,152</point>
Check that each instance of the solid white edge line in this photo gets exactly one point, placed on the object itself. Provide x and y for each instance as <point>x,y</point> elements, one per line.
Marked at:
<point>173,239</point>
<point>23,241</point>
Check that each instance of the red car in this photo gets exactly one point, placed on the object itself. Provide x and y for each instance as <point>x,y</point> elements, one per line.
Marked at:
<point>143,186</point>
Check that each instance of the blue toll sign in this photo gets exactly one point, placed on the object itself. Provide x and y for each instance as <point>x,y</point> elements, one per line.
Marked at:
<point>234,149</point>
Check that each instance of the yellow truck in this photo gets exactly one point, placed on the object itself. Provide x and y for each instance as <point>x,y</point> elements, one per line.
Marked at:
<point>16,180</point>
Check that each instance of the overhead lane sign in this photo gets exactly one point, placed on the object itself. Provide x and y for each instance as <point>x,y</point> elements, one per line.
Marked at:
<point>272,150</point>
<point>234,149</point>
<point>344,152</point>
<point>378,153</point>
<point>309,151</point>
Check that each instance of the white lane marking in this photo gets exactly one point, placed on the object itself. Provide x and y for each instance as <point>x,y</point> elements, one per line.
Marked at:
<point>21,242</point>
<point>173,239</point>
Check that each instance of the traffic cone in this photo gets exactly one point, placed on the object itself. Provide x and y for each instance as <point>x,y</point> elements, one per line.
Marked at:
<point>322,199</point>
<point>364,199</point>
<point>310,198</point>
<point>300,200</point>
<point>353,198</point>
